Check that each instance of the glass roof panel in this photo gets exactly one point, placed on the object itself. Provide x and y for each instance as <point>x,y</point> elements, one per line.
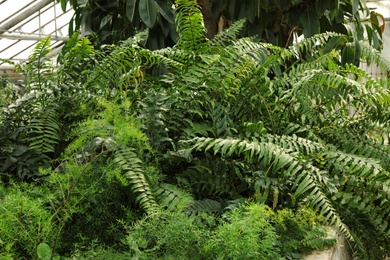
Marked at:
<point>24,22</point>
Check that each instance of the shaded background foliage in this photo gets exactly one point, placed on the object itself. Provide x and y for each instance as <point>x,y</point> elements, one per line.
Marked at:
<point>274,21</point>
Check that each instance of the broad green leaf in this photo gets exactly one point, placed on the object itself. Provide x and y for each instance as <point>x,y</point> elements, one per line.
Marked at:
<point>106,19</point>
<point>351,54</point>
<point>334,42</point>
<point>339,16</point>
<point>355,6</point>
<point>130,9</point>
<point>216,8</point>
<point>165,12</point>
<point>310,23</point>
<point>148,12</point>
<point>63,5</point>
<point>321,6</point>
<point>44,251</point>
<point>251,11</point>
<point>357,53</point>
<point>296,2</point>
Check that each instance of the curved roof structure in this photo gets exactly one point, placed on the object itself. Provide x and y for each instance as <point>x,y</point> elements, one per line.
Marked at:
<point>23,23</point>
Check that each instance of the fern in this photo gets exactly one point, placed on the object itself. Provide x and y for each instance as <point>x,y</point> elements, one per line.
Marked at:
<point>170,197</point>
<point>44,133</point>
<point>230,34</point>
<point>189,25</point>
<point>205,205</point>
<point>307,178</point>
<point>39,70</point>
<point>132,167</point>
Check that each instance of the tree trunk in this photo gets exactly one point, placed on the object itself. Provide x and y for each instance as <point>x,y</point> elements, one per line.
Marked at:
<point>209,22</point>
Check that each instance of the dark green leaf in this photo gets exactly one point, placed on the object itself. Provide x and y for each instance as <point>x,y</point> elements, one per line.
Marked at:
<point>296,2</point>
<point>294,15</point>
<point>321,6</point>
<point>106,19</point>
<point>217,7</point>
<point>148,12</point>
<point>334,42</point>
<point>310,23</point>
<point>355,6</point>
<point>347,55</point>
<point>130,9</point>
<point>63,5</point>
<point>339,16</point>
<point>165,12</point>
<point>357,53</point>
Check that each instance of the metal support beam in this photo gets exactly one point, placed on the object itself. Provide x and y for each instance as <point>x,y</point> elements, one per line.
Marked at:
<point>20,17</point>
<point>31,37</point>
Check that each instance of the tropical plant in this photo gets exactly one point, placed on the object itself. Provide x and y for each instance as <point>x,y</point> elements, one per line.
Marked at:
<point>37,117</point>
<point>285,126</point>
<point>233,124</point>
<point>277,22</point>
<point>25,221</point>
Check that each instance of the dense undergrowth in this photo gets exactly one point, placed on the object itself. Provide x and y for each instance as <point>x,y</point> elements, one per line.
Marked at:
<point>220,149</point>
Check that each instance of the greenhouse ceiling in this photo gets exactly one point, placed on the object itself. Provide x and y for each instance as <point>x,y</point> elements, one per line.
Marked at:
<point>24,22</point>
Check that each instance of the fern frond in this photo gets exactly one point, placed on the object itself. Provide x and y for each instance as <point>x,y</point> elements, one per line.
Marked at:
<point>294,143</point>
<point>227,36</point>
<point>205,205</point>
<point>39,68</point>
<point>129,162</point>
<point>44,132</point>
<point>171,197</point>
<point>315,42</point>
<point>307,178</point>
<point>372,55</point>
<point>357,165</point>
<point>189,25</point>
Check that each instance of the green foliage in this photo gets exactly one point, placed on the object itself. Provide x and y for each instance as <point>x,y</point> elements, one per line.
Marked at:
<point>254,120</point>
<point>209,149</point>
<point>44,251</point>
<point>102,180</point>
<point>248,234</point>
<point>37,119</point>
<point>273,21</point>
<point>301,232</point>
<point>111,22</point>
<point>169,235</point>
<point>251,231</point>
<point>25,221</point>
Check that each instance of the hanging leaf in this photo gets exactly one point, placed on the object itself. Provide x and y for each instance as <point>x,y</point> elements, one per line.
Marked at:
<point>165,12</point>
<point>130,9</point>
<point>148,12</point>
<point>334,42</point>
<point>296,2</point>
<point>321,6</point>
<point>357,53</point>
<point>310,23</point>
<point>355,6</point>
<point>216,8</point>
<point>106,19</point>
<point>251,10</point>
<point>63,5</point>
<point>351,54</point>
